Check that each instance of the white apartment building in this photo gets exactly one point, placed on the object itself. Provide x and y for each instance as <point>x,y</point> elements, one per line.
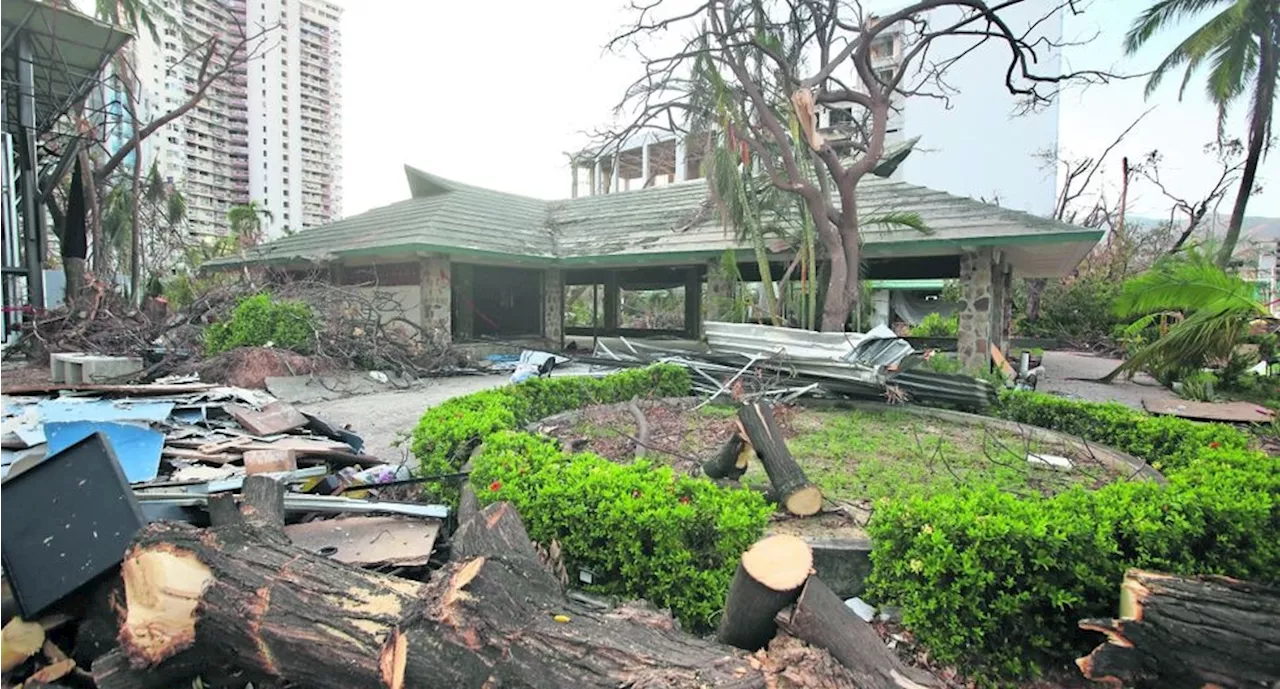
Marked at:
<point>270,132</point>
<point>977,143</point>
<point>295,110</point>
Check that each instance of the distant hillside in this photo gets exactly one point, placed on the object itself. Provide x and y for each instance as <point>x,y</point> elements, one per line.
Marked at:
<point>1256,230</point>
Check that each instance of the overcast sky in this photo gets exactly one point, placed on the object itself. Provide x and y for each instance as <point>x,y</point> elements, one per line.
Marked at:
<point>496,93</point>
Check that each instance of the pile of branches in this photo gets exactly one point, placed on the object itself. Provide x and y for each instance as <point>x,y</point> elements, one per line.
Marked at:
<point>369,328</point>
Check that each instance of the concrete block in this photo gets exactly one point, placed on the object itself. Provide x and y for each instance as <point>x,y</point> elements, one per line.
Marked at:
<point>842,563</point>
<point>79,368</point>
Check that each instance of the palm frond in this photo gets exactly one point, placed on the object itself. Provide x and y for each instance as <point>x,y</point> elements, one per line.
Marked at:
<point>1195,49</point>
<point>1159,16</point>
<point>894,219</point>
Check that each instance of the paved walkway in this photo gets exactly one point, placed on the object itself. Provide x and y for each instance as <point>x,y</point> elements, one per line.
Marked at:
<point>1064,369</point>
<point>380,418</point>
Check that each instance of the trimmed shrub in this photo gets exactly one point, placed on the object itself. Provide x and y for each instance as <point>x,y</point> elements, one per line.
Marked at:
<point>996,583</point>
<point>447,433</point>
<point>258,320</point>
<point>935,325</point>
<point>642,531</point>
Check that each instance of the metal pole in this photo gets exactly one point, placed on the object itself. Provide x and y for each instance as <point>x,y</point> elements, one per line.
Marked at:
<point>32,217</point>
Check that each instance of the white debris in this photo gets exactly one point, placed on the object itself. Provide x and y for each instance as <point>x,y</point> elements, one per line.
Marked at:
<point>1053,461</point>
<point>379,376</point>
<point>862,609</point>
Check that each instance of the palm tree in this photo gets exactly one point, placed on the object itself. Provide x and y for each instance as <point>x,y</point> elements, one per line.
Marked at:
<point>1242,44</point>
<point>1214,307</point>
<point>246,221</point>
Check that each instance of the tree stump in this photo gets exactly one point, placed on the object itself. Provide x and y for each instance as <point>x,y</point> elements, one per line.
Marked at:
<point>730,461</point>
<point>1188,632</point>
<point>768,579</point>
<point>822,620</point>
<point>792,487</point>
<point>242,597</point>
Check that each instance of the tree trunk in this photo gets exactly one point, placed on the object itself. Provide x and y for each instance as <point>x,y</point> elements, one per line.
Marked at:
<point>792,487</point>
<point>1035,289</point>
<point>1188,632</point>
<point>243,597</point>
<point>768,579</point>
<point>822,620</point>
<point>135,214</point>
<point>1259,122</point>
<point>730,462</point>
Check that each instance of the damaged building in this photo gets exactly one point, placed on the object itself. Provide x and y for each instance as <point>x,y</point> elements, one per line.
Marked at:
<point>471,265</point>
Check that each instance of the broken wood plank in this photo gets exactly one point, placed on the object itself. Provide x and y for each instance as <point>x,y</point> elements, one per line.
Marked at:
<point>368,541</point>
<point>198,456</point>
<point>1230,412</point>
<point>277,417</point>
<point>222,445</point>
<point>268,461</point>
<point>18,641</point>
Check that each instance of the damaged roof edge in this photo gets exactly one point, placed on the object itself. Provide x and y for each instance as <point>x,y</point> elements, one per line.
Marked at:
<point>395,251</point>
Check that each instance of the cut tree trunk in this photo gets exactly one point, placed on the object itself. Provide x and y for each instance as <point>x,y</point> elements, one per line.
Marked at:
<point>730,462</point>
<point>244,597</point>
<point>792,487</point>
<point>1188,632</point>
<point>768,579</point>
<point>822,620</point>
<point>642,427</point>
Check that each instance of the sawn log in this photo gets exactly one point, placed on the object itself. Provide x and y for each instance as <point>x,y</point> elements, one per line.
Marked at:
<point>792,487</point>
<point>1189,632</point>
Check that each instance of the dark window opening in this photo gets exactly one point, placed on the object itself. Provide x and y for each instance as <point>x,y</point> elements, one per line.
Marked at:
<point>504,302</point>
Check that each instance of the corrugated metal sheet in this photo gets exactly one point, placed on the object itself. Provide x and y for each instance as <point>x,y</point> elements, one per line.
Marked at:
<point>770,341</point>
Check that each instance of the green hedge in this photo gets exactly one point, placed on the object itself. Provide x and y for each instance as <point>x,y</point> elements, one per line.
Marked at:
<point>642,531</point>
<point>447,433</point>
<point>257,320</point>
<point>996,583</point>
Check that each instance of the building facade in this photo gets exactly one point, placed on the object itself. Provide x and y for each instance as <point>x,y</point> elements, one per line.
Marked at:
<point>268,132</point>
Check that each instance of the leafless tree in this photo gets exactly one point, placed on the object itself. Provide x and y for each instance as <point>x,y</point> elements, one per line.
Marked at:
<point>1230,163</point>
<point>757,72</point>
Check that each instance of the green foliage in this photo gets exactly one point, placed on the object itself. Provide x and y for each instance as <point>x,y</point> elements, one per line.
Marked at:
<point>258,320</point>
<point>996,583</point>
<point>1078,310</point>
<point>935,325</point>
<point>1216,308</point>
<point>639,529</point>
<point>1198,386</point>
<point>447,433</point>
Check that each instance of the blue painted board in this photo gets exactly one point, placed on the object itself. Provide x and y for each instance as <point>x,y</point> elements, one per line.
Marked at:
<point>70,409</point>
<point>136,446</point>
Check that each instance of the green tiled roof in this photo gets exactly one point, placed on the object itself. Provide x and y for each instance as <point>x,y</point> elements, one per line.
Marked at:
<point>676,220</point>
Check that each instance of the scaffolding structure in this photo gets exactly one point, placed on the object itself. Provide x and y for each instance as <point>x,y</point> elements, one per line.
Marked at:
<point>52,59</point>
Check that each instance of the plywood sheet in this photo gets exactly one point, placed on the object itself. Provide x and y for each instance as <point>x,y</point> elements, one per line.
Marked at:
<point>369,541</point>
<point>1230,412</point>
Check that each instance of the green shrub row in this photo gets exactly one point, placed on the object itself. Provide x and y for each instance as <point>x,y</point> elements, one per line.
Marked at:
<point>997,583</point>
<point>257,321</point>
<point>447,433</point>
<point>640,530</point>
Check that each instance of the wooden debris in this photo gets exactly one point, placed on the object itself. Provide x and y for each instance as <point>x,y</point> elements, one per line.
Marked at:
<point>276,417</point>
<point>19,640</point>
<point>822,620</point>
<point>730,461</point>
<point>1189,632</point>
<point>642,428</point>
<point>268,461</point>
<point>792,487</point>
<point>483,621</point>
<point>198,456</point>
<point>368,541</point>
<point>52,672</point>
<point>768,579</point>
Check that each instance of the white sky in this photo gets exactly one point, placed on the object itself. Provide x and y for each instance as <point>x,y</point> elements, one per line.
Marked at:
<point>496,93</point>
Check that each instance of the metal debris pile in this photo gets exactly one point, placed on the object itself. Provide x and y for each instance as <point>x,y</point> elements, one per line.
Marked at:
<point>761,361</point>
<point>85,467</point>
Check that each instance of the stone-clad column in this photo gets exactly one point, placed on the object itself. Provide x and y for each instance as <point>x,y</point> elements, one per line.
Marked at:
<point>974,335</point>
<point>464,316</point>
<point>437,295</point>
<point>553,306</point>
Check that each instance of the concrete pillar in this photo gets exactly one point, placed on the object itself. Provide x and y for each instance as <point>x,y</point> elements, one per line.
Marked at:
<point>721,290</point>
<point>573,174</point>
<point>693,302</point>
<point>464,315</point>
<point>553,306</point>
<point>974,335</point>
<point>596,178</point>
<point>617,173</point>
<point>681,153</point>
<point>612,303</point>
<point>879,307</point>
<point>437,296</point>
<point>997,298</point>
